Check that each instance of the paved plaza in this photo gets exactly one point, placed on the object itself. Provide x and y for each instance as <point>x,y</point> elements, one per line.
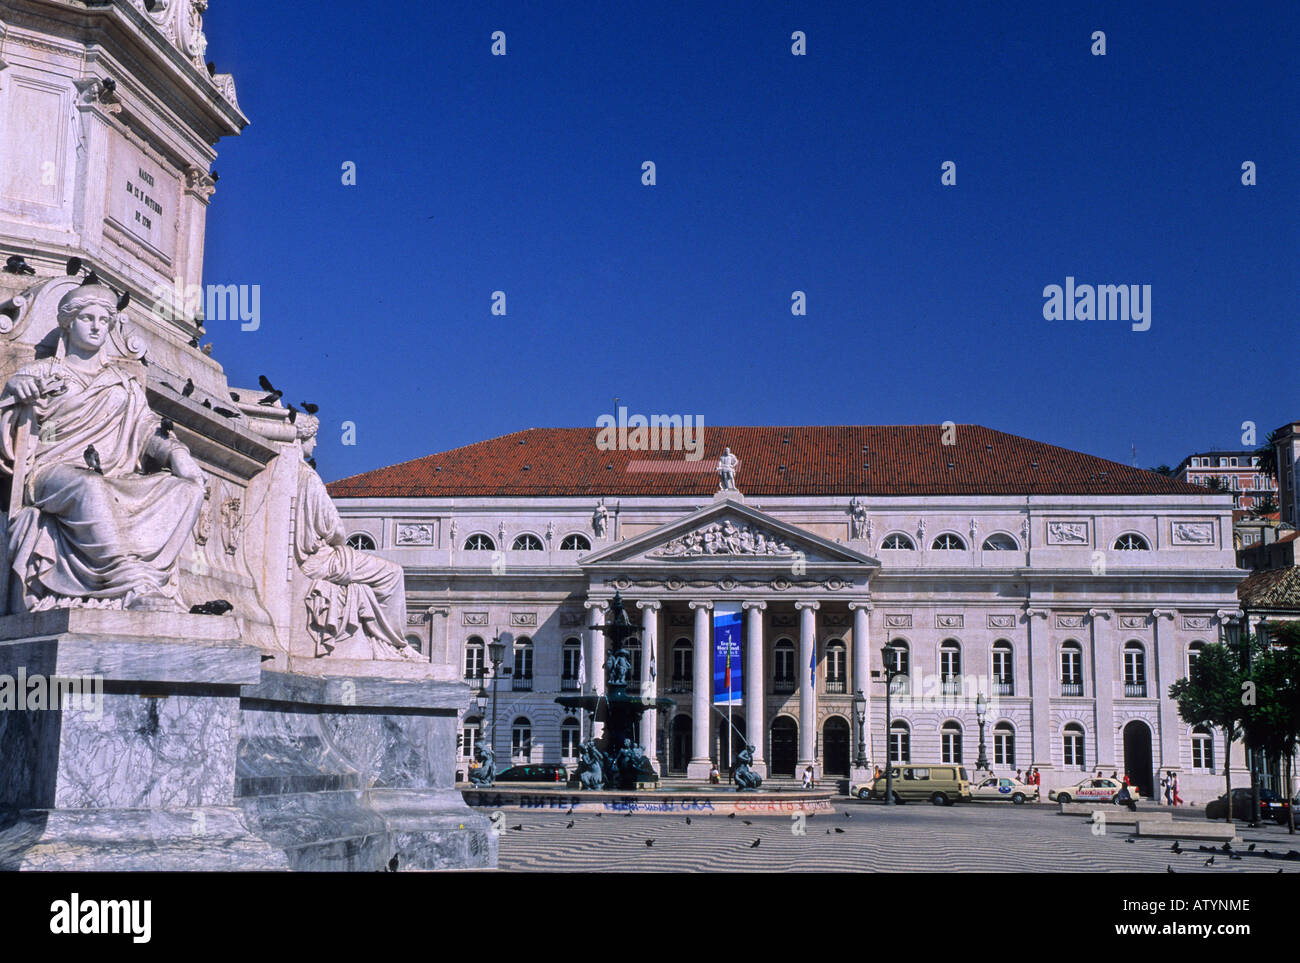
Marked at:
<point>861,837</point>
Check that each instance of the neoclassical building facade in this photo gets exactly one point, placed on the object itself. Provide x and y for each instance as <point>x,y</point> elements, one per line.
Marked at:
<point>1056,594</point>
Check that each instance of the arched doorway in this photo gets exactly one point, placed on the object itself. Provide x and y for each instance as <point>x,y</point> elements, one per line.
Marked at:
<point>785,746</point>
<point>679,744</point>
<point>720,740</point>
<point>835,747</point>
<point>1137,757</point>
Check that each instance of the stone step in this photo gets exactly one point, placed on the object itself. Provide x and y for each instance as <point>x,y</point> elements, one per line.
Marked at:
<point>1187,829</point>
<point>1113,812</point>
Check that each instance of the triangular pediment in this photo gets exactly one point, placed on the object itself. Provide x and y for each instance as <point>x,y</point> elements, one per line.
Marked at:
<point>727,533</point>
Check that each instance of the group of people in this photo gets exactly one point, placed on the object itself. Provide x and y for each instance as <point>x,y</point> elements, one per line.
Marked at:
<point>1169,783</point>
<point>1031,778</point>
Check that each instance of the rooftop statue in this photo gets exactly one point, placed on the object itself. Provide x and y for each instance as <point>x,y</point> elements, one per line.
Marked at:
<point>727,467</point>
<point>102,500</point>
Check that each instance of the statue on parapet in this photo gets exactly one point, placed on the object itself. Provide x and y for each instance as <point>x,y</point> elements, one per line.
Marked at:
<point>728,465</point>
<point>744,774</point>
<point>356,605</point>
<point>484,774</point>
<point>103,500</point>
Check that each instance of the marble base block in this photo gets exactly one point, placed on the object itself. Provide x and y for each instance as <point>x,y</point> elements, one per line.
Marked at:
<point>136,771</point>
<point>357,773</point>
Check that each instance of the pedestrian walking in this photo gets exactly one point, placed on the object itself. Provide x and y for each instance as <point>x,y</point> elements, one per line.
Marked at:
<point>1168,783</point>
<point>1178,800</point>
<point>808,777</point>
<point>1020,777</point>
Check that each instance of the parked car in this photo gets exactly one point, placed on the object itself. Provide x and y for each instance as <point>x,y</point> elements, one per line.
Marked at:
<point>537,772</point>
<point>1271,805</point>
<point>1101,789</point>
<point>996,788</point>
<point>942,785</point>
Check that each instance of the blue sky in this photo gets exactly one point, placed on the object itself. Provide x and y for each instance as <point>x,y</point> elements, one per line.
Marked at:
<point>775,173</point>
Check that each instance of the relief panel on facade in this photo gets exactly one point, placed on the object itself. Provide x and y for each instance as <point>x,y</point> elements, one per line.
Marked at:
<point>1192,533</point>
<point>1067,533</point>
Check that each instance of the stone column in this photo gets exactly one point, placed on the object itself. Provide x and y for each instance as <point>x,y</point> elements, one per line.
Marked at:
<point>807,691</point>
<point>1041,673</point>
<point>649,686</point>
<point>861,682</point>
<point>755,702</point>
<point>596,656</point>
<point>701,690</point>
<point>1167,670</point>
<point>1103,678</point>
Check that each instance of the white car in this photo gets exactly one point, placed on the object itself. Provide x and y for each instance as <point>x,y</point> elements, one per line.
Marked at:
<point>996,788</point>
<point>1096,789</point>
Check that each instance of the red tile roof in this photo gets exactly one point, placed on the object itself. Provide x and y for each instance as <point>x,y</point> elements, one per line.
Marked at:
<point>1277,588</point>
<point>775,460</point>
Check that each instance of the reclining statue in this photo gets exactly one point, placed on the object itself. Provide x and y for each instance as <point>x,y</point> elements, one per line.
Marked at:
<point>485,772</point>
<point>744,776</point>
<point>103,500</point>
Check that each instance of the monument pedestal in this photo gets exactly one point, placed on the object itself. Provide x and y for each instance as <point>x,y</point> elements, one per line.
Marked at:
<point>352,772</point>
<point>118,735</point>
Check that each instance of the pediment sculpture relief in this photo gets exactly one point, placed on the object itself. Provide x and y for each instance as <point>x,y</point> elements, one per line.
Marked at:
<point>724,538</point>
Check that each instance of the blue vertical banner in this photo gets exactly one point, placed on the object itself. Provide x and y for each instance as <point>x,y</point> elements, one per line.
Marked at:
<point>727,686</point>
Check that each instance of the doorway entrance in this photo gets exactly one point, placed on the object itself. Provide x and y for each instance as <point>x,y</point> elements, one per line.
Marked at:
<point>785,746</point>
<point>835,747</point>
<point>679,743</point>
<point>1137,758</point>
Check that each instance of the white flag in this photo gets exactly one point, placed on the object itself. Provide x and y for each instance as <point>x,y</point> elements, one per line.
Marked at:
<point>582,666</point>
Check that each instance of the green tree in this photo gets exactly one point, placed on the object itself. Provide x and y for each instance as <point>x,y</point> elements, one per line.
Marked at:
<point>1267,455</point>
<point>1266,507</point>
<point>1273,723</point>
<point>1214,694</point>
<point>1216,484</point>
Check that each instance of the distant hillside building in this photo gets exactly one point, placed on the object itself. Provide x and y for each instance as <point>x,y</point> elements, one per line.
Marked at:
<point>1238,471</point>
<point>1287,448</point>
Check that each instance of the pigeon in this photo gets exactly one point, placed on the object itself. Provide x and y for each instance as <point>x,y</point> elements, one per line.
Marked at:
<point>392,864</point>
<point>207,403</point>
<point>1168,868</point>
<point>165,427</point>
<point>273,393</point>
<point>838,830</point>
<point>519,828</point>
<point>570,826</point>
<point>754,844</point>
<point>828,832</point>
<point>688,820</point>
<point>311,409</point>
<point>207,349</point>
<point>1250,848</point>
<point>188,389</point>
<point>194,341</point>
<point>124,300</point>
<point>214,607</point>
<point>1209,862</point>
<point>225,412</point>
<point>649,842</point>
<point>1234,856</point>
<point>109,84</point>
<point>312,462</point>
<point>293,415</point>
<point>212,69</point>
<point>74,266</point>
<point>731,815</point>
<point>17,264</point>
<point>1175,848</point>
<point>848,815</point>
<point>92,460</point>
<point>1131,841</point>
<point>1227,847</point>
<point>233,396</point>
<point>747,822</point>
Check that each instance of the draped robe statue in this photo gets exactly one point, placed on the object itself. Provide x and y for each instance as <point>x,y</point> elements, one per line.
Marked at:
<point>356,605</point>
<point>101,524</point>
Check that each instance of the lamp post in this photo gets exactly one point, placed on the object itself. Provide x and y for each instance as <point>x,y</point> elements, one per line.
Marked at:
<point>480,700</point>
<point>860,714</point>
<point>892,672</point>
<point>496,653</point>
<point>981,710</point>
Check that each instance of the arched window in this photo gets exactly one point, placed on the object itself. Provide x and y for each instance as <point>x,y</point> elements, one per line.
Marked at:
<point>950,666</point>
<point>474,663</point>
<point>1135,669</point>
<point>479,542</point>
<point>1004,744</point>
<point>1000,542</point>
<point>836,666</point>
<point>526,543</point>
<point>783,664</point>
<point>1131,543</point>
<point>572,665</point>
<point>1004,672</point>
<point>1202,748</point>
<point>361,542</point>
<point>948,542</point>
<point>1194,651</point>
<point>683,666</point>
<point>898,542</point>
<point>950,742</point>
<point>570,737</point>
<point>900,661</point>
<point>471,730</point>
<point>575,543</point>
<point>900,742</point>
<point>1071,668</point>
<point>521,740</point>
<point>522,680</point>
<point>1072,747</point>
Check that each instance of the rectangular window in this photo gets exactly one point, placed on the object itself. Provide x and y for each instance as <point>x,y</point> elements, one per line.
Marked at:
<point>1004,749</point>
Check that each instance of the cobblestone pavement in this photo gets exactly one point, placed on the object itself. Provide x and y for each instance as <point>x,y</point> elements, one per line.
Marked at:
<point>861,837</point>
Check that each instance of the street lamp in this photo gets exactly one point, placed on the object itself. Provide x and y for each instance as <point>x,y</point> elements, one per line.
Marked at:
<point>892,672</point>
<point>981,710</point>
<point>860,714</point>
<point>496,653</point>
